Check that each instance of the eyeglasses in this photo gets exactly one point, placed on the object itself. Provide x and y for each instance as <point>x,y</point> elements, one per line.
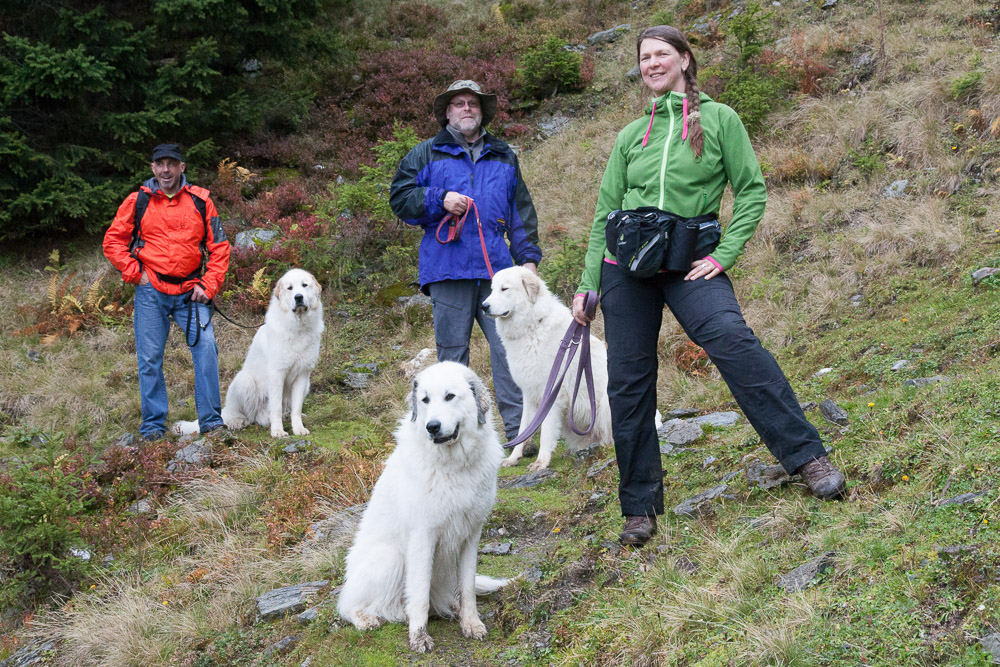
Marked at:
<point>461,104</point>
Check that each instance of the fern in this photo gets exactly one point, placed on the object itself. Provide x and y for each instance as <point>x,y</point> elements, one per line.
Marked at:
<point>52,293</point>
<point>92,298</point>
<point>260,285</point>
<point>53,261</point>
<point>72,300</point>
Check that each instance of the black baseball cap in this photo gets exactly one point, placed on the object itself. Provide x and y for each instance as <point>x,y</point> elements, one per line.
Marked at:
<point>167,150</point>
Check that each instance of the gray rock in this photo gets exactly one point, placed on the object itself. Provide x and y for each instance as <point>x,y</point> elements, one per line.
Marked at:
<point>196,454</point>
<point>357,380</point>
<point>338,528</point>
<point>923,382</point>
<point>126,441</point>
<point>900,365</point>
<point>609,35</point>
<point>678,432</point>
<point>552,126</point>
<point>700,503</point>
<point>527,481</point>
<point>682,413</point>
<point>709,460</point>
<point>35,356</point>
<point>829,4</point>
<point>981,274</point>
<point>717,419</point>
<point>287,600</point>
<point>633,74</point>
<point>799,578</point>
<point>251,238</point>
<point>857,299</point>
<point>143,506</point>
<point>308,616</point>
<point>33,653</point>
<point>730,476</point>
<point>963,499</point>
<point>80,554</point>
<point>283,646</point>
<point>413,366</point>
<point>533,574</point>
<point>765,476</point>
<point>296,446</point>
<point>821,372</point>
<point>950,553</point>
<point>587,452</point>
<point>419,299</point>
<point>496,548</point>
<point>807,406</point>
<point>599,467</point>
<point>834,413</point>
<point>896,190</point>
<point>991,644</point>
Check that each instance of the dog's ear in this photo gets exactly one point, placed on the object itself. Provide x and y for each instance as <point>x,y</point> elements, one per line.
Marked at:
<point>276,293</point>
<point>482,396</point>
<point>413,402</point>
<point>532,286</point>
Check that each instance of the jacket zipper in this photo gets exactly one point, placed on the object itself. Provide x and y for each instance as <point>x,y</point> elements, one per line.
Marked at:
<point>666,148</point>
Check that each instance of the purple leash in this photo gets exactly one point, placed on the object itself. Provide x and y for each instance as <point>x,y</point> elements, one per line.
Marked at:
<point>577,336</point>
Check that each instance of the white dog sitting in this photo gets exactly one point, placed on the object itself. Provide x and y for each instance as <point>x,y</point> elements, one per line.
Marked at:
<point>274,379</point>
<point>531,323</point>
<point>415,550</point>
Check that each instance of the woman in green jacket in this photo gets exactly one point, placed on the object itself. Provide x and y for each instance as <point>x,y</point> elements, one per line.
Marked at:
<point>678,157</point>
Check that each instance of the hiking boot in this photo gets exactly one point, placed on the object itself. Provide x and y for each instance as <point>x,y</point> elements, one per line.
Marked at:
<point>638,530</point>
<point>823,478</point>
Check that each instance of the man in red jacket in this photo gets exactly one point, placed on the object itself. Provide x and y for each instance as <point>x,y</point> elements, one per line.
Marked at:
<point>166,239</point>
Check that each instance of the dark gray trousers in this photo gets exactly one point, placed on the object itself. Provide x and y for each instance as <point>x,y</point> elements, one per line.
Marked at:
<point>456,304</point>
<point>711,317</point>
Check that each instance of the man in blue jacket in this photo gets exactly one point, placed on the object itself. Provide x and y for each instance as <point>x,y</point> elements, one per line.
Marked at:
<point>464,165</point>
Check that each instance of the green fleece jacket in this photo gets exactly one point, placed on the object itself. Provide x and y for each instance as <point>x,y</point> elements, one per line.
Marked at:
<point>666,174</point>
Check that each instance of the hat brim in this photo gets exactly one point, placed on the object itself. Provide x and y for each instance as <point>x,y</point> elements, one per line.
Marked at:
<point>487,101</point>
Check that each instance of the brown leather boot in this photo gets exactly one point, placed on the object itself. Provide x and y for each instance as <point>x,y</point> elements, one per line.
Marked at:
<point>823,478</point>
<point>638,530</point>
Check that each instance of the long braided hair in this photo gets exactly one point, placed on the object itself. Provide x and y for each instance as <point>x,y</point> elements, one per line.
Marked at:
<point>676,39</point>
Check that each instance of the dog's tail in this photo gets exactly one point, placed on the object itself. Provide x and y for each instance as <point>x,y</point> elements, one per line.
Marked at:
<point>185,428</point>
<point>486,585</point>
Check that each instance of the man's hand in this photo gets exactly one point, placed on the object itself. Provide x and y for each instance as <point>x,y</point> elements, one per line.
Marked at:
<point>144,279</point>
<point>579,314</point>
<point>198,295</point>
<point>531,266</point>
<point>456,203</point>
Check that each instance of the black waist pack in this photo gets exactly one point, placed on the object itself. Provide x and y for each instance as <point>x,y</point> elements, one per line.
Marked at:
<point>647,240</point>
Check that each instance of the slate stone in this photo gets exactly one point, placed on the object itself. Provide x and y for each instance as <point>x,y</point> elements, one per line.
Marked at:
<point>340,526</point>
<point>799,578</point>
<point>679,432</point>
<point>963,499</point>
<point>834,413</point>
<point>765,476</point>
<point>700,503</point>
<point>552,126</point>
<point>251,238</point>
<point>34,653</point>
<point>717,419</point>
<point>682,413</point>
<point>981,274</point>
<point>950,553</point>
<point>633,74</point>
<point>533,574</point>
<point>923,382</point>
<point>585,453</point>
<point>287,600</point>
<point>599,467</point>
<point>143,506</point>
<point>991,645</point>
<point>356,380</point>
<point>419,299</point>
<point>900,365</point>
<point>195,454</point>
<point>609,35</point>
<point>896,190</point>
<point>308,616</point>
<point>709,460</point>
<point>283,646</point>
<point>527,481</point>
<point>730,476</point>
<point>296,446</point>
<point>496,548</point>
<point>807,406</point>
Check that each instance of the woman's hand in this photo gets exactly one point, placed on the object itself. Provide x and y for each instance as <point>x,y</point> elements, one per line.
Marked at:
<point>703,268</point>
<point>455,203</point>
<point>578,313</point>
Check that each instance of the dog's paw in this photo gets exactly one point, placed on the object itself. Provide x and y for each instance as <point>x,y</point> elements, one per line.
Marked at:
<point>364,621</point>
<point>473,629</point>
<point>278,432</point>
<point>300,430</point>
<point>420,641</point>
<point>509,462</point>
<point>185,428</point>
<point>538,465</point>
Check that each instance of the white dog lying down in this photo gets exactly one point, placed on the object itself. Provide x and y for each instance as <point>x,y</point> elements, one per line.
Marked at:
<point>274,379</point>
<point>531,323</point>
<point>415,550</point>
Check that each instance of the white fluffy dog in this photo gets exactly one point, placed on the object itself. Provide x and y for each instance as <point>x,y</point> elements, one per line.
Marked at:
<point>415,550</point>
<point>274,379</point>
<point>531,323</point>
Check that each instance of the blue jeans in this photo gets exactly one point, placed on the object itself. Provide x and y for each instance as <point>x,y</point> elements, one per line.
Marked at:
<point>153,311</point>
<point>711,317</point>
<point>455,305</point>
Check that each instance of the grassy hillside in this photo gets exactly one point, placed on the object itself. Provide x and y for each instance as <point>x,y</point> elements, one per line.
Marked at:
<point>843,274</point>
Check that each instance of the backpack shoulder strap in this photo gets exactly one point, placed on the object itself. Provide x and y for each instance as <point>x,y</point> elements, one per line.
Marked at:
<point>141,203</point>
<point>199,204</point>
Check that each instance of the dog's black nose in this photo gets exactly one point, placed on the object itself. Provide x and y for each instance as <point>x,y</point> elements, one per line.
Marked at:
<point>298,298</point>
<point>433,427</point>
<point>486,307</point>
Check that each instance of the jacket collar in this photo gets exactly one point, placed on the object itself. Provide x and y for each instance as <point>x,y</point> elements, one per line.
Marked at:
<point>674,99</point>
<point>153,186</point>
<point>447,143</point>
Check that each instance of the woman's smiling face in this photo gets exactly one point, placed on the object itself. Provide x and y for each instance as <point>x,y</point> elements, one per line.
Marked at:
<point>662,67</point>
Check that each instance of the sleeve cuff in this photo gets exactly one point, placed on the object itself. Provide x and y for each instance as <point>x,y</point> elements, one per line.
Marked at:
<point>716,264</point>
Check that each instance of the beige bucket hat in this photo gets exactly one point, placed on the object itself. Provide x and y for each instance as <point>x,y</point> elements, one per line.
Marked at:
<point>486,100</point>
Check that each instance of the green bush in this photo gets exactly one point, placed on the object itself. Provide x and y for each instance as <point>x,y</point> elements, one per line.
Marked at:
<point>753,95</point>
<point>371,193</point>
<point>545,70</point>
<point>40,506</point>
<point>965,86</point>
